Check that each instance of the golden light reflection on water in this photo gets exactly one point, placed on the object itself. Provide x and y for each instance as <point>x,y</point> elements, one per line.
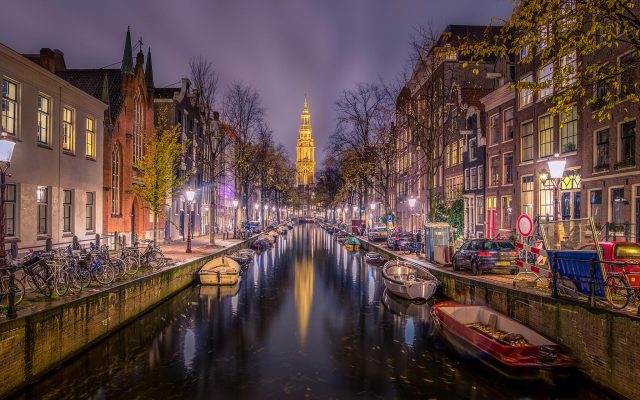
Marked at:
<point>303,293</point>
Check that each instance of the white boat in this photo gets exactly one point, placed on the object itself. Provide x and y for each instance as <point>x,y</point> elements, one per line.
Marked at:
<point>220,271</point>
<point>407,281</point>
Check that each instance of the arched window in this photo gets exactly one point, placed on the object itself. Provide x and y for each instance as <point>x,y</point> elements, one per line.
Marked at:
<point>138,114</point>
<point>116,183</point>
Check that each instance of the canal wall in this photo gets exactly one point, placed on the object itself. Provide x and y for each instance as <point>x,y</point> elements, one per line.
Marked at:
<point>41,340</point>
<point>606,344</point>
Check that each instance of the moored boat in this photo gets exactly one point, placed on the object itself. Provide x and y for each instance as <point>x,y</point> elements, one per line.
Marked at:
<point>352,244</point>
<point>406,280</point>
<point>374,258</point>
<point>220,271</point>
<point>341,238</point>
<point>501,343</point>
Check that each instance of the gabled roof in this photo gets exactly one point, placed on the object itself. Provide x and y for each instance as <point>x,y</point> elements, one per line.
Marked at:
<point>92,82</point>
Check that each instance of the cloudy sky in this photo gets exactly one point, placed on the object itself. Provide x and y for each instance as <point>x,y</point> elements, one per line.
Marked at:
<point>284,48</point>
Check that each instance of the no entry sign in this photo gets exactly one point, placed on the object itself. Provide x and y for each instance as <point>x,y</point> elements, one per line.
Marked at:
<point>525,225</point>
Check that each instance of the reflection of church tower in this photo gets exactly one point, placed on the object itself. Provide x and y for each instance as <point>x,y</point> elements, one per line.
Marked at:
<point>303,295</point>
<point>305,150</point>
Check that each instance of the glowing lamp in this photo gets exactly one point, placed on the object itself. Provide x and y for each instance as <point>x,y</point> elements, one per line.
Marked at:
<point>190,194</point>
<point>235,203</point>
<point>6,148</point>
<point>556,167</point>
<point>412,202</point>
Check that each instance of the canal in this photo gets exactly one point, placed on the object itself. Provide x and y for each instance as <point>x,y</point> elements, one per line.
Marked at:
<point>308,320</point>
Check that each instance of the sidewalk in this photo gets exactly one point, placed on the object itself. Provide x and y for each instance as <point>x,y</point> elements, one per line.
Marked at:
<point>176,250</point>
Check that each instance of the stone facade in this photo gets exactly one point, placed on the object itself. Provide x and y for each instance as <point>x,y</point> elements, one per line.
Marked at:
<point>54,186</point>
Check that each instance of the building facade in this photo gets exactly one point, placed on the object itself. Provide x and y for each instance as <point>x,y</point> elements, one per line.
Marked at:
<point>54,186</point>
<point>305,150</point>
<point>473,163</point>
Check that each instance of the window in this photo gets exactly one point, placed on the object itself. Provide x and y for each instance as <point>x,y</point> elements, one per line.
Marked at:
<point>527,195</point>
<point>525,96</point>
<point>494,171</point>
<point>545,76</point>
<point>89,211</point>
<point>10,209</point>
<point>526,132</point>
<point>494,128</point>
<point>617,205</point>
<point>137,127</point>
<point>568,69</point>
<point>466,179</point>
<point>479,210</point>
<point>571,181</point>
<point>595,199</point>
<point>9,106</point>
<point>545,127</point>
<point>507,167</point>
<point>524,52</point>
<point>473,148</point>
<point>115,181</point>
<point>67,129</point>
<point>544,37</point>
<point>569,130</point>
<point>627,79</point>
<point>602,149</point>
<point>67,210</point>
<point>90,151</point>
<point>546,200</point>
<point>506,212</point>
<point>628,143</point>
<point>43,120</point>
<point>480,176</point>
<point>474,179</point>
<point>42,198</point>
<point>508,124</point>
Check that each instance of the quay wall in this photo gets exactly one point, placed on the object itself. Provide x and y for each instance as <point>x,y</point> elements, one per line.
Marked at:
<point>41,340</point>
<point>606,344</point>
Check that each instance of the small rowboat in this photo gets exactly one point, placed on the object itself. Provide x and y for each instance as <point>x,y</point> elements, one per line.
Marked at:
<point>501,343</point>
<point>220,271</point>
<point>374,258</point>
<point>352,244</point>
<point>405,280</point>
<point>341,238</point>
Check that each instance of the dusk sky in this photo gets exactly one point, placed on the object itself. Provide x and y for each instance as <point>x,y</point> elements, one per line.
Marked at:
<point>284,48</point>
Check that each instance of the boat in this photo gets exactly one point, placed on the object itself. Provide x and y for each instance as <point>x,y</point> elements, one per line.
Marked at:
<point>501,343</point>
<point>219,292</point>
<point>374,258</point>
<point>220,271</point>
<point>407,281</point>
<point>341,238</point>
<point>243,259</point>
<point>352,244</point>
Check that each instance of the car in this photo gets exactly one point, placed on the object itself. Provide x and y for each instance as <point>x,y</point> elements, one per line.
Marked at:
<point>480,255</point>
<point>378,233</point>
<point>395,241</point>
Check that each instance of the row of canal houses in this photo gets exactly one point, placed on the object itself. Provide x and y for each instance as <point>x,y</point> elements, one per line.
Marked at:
<point>505,137</point>
<point>79,133</point>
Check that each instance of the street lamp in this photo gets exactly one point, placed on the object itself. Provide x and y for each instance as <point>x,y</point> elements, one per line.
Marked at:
<point>412,203</point>
<point>255,213</point>
<point>6,151</point>
<point>235,218</point>
<point>189,194</point>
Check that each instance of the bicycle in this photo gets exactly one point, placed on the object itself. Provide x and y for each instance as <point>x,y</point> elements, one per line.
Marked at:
<point>5,288</point>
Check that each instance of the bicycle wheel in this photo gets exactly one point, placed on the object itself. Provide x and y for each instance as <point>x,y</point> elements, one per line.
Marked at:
<point>42,285</point>
<point>104,274</point>
<point>118,267</point>
<point>76,283</point>
<point>131,265</point>
<point>155,259</point>
<point>4,293</point>
<point>61,283</point>
<point>619,292</point>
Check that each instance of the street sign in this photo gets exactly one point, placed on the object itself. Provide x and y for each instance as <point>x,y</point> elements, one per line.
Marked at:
<point>525,225</point>
<point>389,218</point>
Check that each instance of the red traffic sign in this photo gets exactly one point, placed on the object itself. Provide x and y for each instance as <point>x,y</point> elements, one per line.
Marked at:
<point>525,225</point>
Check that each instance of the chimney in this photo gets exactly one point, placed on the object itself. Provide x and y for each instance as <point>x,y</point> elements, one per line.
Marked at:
<point>48,59</point>
<point>216,116</point>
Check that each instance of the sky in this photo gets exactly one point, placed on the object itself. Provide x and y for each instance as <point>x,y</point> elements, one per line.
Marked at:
<point>283,48</point>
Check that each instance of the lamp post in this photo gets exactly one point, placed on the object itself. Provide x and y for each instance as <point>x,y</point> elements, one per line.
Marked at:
<point>235,218</point>
<point>555,174</point>
<point>6,151</point>
<point>373,207</point>
<point>412,203</point>
<point>255,212</point>
<point>189,195</point>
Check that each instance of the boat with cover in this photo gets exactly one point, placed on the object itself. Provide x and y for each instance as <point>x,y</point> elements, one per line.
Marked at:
<point>408,281</point>
<point>352,244</point>
<point>505,345</point>
<point>220,271</point>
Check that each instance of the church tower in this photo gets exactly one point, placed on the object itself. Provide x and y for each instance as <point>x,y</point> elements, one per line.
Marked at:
<point>305,150</point>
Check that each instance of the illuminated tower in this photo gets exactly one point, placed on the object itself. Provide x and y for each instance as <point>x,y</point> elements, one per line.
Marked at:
<point>305,150</point>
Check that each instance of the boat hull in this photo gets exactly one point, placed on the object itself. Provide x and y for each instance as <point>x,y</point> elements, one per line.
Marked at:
<point>220,271</point>
<point>352,247</point>
<point>408,282</point>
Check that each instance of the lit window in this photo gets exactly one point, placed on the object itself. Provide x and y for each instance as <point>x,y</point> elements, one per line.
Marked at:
<point>43,120</point>
<point>91,138</point>
<point>545,126</point>
<point>546,200</point>
<point>506,212</point>
<point>67,129</point>
<point>494,171</point>
<point>569,130</point>
<point>525,96</point>
<point>617,205</point>
<point>527,195</point>
<point>526,133</point>
<point>545,76</point>
<point>9,106</point>
<point>67,210</point>
<point>568,68</point>
<point>42,198</point>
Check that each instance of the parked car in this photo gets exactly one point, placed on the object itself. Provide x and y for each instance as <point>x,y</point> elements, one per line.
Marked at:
<point>397,240</point>
<point>378,233</point>
<point>481,255</point>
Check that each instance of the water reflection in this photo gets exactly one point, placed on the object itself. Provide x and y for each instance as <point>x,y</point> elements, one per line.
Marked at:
<point>307,320</point>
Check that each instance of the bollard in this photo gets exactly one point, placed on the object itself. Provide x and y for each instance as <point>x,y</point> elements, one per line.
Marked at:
<point>48,244</point>
<point>14,250</point>
<point>554,277</point>
<point>97,240</point>
<point>592,284</point>
<point>115,240</point>
<point>75,243</point>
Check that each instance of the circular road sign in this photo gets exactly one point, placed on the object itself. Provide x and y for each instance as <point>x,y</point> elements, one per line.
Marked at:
<point>525,225</point>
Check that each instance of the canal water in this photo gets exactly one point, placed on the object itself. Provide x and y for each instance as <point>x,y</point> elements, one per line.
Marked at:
<point>308,320</point>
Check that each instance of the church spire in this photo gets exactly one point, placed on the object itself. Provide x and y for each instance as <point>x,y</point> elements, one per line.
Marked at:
<point>127,57</point>
<point>305,149</point>
<point>148,72</point>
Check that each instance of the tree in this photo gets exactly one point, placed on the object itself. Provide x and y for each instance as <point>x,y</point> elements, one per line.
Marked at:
<point>205,81</point>
<point>581,40</point>
<point>160,160</point>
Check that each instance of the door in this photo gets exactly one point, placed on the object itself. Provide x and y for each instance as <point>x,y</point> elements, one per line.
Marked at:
<point>570,203</point>
<point>492,229</point>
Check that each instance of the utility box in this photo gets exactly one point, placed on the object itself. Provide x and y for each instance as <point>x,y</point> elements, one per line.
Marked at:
<point>437,242</point>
